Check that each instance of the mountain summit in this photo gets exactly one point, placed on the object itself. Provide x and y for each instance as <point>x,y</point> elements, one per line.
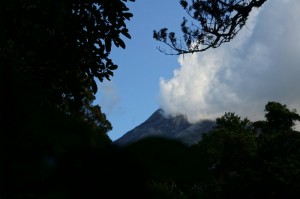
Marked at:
<point>173,127</point>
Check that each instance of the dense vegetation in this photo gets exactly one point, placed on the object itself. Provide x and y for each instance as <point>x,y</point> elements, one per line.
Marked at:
<point>237,159</point>
<point>53,138</point>
<point>52,54</point>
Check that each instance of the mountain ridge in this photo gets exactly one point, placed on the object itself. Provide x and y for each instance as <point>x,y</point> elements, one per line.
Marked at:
<point>160,124</point>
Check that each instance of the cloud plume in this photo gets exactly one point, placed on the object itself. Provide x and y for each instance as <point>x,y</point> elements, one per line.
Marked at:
<point>261,64</point>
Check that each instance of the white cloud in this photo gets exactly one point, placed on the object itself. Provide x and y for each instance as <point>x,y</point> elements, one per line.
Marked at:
<point>262,64</point>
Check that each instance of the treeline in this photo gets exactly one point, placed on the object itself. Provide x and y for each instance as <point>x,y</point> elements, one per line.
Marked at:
<point>238,159</point>
<point>53,157</point>
<point>54,141</point>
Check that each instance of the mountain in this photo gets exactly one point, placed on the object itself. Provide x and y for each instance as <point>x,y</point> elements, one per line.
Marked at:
<point>161,125</point>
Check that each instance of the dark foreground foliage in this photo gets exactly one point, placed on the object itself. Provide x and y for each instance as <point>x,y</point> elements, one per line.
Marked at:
<point>53,139</point>
<point>52,53</point>
<point>238,159</point>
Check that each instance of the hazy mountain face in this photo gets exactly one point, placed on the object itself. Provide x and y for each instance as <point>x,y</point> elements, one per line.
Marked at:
<point>161,125</point>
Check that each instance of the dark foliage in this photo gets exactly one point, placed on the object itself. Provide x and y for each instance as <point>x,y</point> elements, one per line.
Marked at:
<point>51,55</point>
<point>53,139</point>
<point>93,173</point>
<point>173,169</point>
<point>213,22</point>
<point>237,159</point>
<point>63,47</point>
<point>279,117</point>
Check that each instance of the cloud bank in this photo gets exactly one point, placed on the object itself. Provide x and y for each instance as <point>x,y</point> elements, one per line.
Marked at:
<point>261,64</point>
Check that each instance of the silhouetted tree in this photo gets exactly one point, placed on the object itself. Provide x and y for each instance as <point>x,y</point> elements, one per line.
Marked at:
<point>278,152</point>
<point>51,55</point>
<point>63,47</point>
<point>173,169</point>
<point>213,22</point>
<point>279,117</point>
<point>253,160</point>
<point>229,150</point>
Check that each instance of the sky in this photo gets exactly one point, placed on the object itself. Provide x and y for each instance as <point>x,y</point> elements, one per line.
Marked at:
<point>261,64</point>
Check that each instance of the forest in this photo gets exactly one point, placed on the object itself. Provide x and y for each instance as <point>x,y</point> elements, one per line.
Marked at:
<point>54,141</point>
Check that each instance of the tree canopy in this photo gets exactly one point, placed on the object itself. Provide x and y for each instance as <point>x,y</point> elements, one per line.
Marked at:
<point>213,22</point>
<point>63,47</point>
<point>52,53</point>
<point>253,159</point>
<point>236,159</point>
<point>279,117</point>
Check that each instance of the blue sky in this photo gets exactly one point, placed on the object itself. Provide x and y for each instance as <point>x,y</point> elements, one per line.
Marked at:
<point>132,94</point>
<point>261,64</point>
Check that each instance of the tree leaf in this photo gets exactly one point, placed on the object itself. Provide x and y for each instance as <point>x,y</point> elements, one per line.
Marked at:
<point>107,45</point>
<point>113,67</point>
<point>121,43</point>
<point>94,87</point>
<point>125,33</point>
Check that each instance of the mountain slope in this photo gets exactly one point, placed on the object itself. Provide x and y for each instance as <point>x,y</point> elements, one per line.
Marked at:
<point>159,124</point>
